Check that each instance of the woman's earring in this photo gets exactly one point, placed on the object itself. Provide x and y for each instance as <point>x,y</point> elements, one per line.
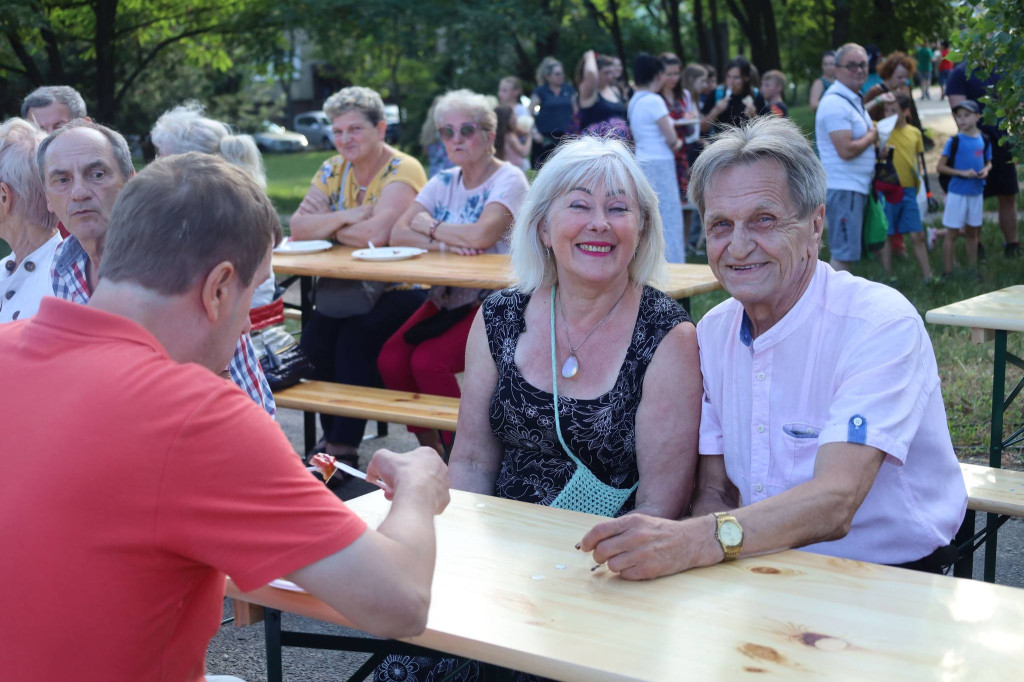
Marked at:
<point>547,253</point>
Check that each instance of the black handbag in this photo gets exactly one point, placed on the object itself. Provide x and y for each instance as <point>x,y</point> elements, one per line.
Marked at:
<point>282,359</point>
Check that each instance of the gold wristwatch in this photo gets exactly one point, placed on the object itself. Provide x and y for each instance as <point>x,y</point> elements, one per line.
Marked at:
<point>729,534</point>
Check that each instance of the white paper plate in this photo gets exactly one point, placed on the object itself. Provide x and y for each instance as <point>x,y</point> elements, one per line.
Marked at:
<point>283,584</point>
<point>311,246</point>
<point>388,253</point>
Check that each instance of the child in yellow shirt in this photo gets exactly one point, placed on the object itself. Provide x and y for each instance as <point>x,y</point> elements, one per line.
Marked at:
<point>905,217</point>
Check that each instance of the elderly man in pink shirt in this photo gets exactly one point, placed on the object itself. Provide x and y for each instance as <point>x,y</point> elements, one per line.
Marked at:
<point>822,424</point>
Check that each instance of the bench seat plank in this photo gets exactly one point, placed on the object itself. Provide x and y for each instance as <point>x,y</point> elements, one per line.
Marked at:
<point>379,404</point>
<point>997,491</point>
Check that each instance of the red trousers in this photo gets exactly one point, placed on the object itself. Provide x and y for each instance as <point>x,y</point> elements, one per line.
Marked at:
<point>429,367</point>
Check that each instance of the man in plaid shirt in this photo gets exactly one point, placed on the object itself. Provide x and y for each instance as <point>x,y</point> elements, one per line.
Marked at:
<point>84,166</point>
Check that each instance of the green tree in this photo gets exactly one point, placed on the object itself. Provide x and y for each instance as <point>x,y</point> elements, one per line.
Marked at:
<point>105,48</point>
<point>990,42</point>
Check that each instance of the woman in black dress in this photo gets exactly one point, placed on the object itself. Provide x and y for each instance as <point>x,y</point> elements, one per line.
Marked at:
<point>585,325</point>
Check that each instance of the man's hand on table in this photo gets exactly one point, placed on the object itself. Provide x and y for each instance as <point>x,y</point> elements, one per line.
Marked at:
<point>640,547</point>
<point>421,470</point>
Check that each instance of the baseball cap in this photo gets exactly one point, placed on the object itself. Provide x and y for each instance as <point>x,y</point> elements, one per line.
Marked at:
<point>970,105</point>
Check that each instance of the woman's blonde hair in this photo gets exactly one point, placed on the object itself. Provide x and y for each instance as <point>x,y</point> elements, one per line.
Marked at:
<point>586,162</point>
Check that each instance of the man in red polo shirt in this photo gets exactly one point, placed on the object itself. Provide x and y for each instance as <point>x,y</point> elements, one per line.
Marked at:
<point>161,477</point>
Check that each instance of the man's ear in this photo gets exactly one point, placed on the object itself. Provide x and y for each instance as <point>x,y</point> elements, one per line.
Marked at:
<point>6,199</point>
<point>216,289</point>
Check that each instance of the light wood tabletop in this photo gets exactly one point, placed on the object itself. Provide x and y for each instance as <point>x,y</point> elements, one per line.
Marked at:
<point>510,589</point>
<point>487,271</point>
<point>996,491</point>
<point>996,310</point>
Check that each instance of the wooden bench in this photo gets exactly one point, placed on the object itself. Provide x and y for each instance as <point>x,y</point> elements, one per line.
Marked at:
<point>383,405</point>
<point>999,492</point>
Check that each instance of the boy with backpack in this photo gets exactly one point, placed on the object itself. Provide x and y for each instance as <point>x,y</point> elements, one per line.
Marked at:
<point>904,216</point>
<point>965,163</point>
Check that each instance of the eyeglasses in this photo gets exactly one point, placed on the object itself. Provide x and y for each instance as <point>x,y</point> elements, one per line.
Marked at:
<point>466,130</point>
<point>854,66</point>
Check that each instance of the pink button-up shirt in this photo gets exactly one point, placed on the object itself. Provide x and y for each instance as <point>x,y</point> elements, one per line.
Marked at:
<point>851,362</point>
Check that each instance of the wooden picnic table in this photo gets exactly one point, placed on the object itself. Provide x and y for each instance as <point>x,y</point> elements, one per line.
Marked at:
<point>510,589</point>
<point>990,317</point>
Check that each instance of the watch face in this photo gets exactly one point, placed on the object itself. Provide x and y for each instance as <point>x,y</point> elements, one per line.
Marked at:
<point>731,533</point>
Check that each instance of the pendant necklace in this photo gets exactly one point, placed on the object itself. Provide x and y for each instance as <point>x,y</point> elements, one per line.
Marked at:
<point>572,363</point>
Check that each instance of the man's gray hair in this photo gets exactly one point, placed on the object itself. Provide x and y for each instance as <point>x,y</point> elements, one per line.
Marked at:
<point>355,98</point>
<point>765,138</point>
<point>476,105</point>
<point>848,47</point>
<point>118,146</point>
<point>48,94</point>
<point>586,162</point>
<point>185,128</point>
<point>19,140</point>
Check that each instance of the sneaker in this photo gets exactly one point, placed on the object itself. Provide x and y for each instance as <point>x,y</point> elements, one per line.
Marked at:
<point>1011,250</point>
<point>930,239</point>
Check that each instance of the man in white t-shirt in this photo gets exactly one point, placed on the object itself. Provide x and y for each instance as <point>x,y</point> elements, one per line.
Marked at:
<point>846,143</point>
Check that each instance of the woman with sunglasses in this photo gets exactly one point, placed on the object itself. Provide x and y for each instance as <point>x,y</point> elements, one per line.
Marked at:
<point>355,199</point>
<point>467,210</point>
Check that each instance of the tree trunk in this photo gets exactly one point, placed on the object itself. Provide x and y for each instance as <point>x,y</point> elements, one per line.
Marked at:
<point>718,45</point>
<point>620,48</point>
<point>106,59</point>
<point>702,32</point>
<point>841,27</point>
<point>671,8</point>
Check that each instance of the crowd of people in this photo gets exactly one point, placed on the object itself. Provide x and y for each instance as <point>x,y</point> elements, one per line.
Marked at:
<point>803,412</point>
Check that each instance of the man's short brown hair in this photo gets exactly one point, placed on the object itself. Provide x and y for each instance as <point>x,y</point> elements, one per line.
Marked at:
<point>181,216</point>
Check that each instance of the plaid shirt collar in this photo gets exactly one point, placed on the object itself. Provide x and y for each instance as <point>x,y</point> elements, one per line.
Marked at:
<point>68,272</point>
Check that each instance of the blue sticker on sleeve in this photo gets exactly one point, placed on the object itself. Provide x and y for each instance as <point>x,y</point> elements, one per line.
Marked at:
<point>857,432</point>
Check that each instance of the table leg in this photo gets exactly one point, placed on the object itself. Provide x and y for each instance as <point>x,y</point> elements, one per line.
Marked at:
<point>272,630</point>
<point>995,448</point>
<point>964,566</point>
<point>306,305</point>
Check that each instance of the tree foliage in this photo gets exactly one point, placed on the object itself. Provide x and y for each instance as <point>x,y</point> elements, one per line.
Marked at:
<point>991,42</point>
<point>105,48</point>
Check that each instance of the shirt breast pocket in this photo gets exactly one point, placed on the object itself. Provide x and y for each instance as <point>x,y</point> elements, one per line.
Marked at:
<point>796,465</point>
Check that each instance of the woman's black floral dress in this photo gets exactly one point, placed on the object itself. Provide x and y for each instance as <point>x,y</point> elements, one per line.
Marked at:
<point>534,468</point>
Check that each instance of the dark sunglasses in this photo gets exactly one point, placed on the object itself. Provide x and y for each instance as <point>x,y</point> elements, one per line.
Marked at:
<point>466,130</point>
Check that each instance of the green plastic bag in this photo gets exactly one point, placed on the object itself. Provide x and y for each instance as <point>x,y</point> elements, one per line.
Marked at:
<point>876,225</point>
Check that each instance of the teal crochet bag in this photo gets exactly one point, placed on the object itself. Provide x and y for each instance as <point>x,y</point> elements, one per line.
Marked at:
<point>584,492</point>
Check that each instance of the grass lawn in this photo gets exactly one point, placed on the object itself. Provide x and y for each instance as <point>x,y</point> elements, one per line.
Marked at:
<point>288,177</point>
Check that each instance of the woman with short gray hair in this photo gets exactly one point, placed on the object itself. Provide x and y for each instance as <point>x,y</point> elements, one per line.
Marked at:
<point>467,210</point>
<point>355,198</point>
<point>26,224</point>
